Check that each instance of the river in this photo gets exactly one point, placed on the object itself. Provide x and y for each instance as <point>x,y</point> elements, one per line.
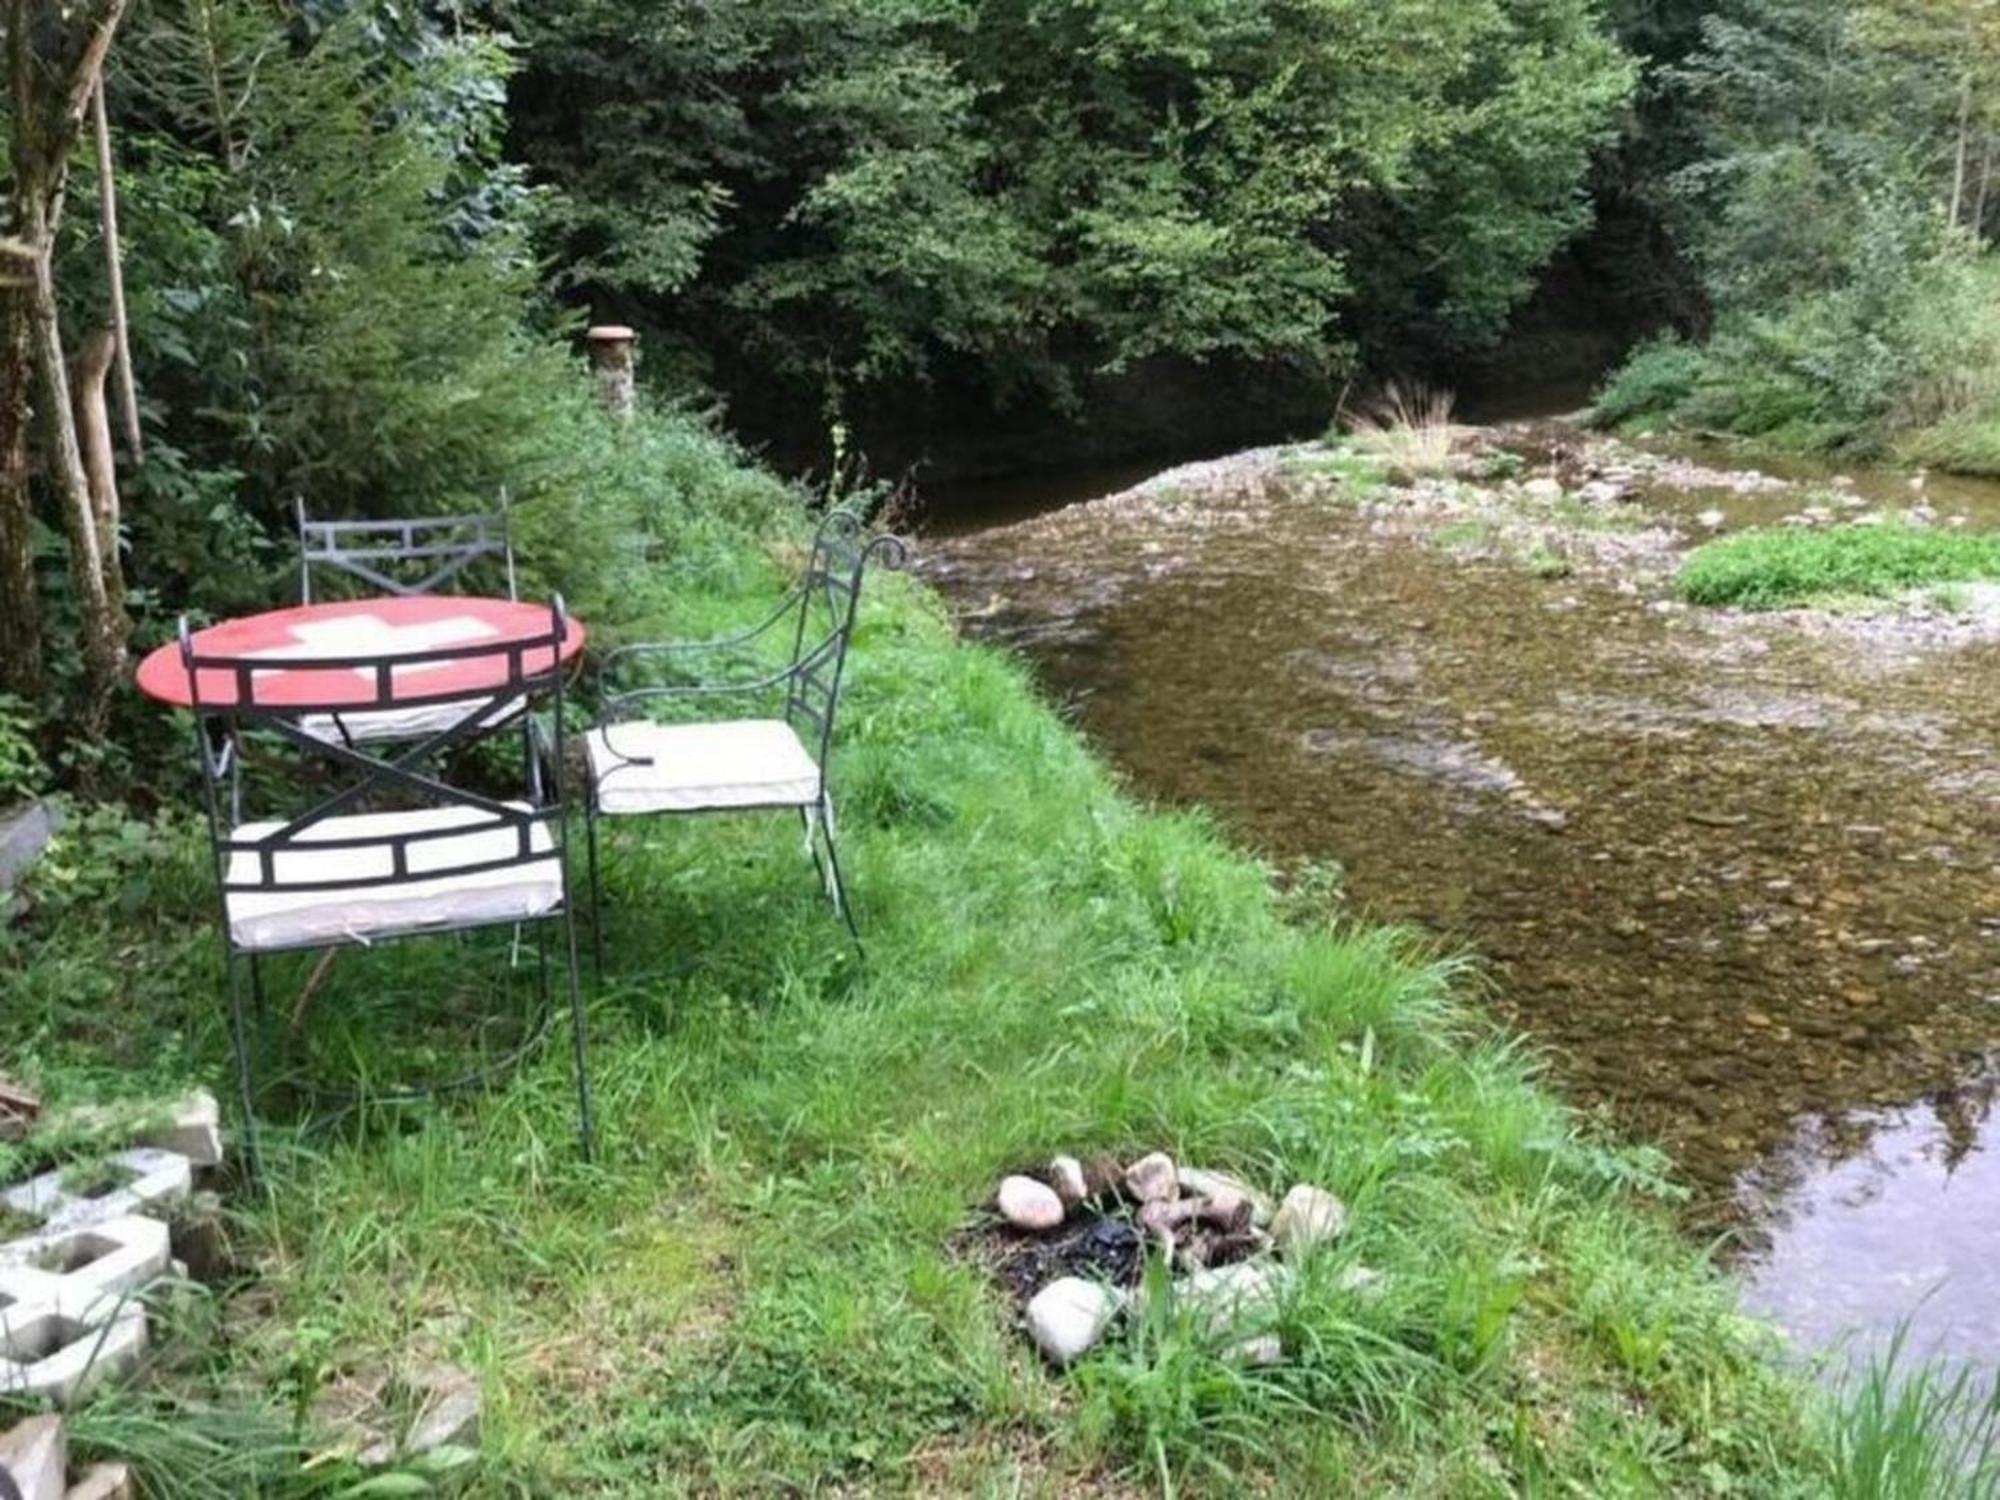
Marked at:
<point>1737,875</point>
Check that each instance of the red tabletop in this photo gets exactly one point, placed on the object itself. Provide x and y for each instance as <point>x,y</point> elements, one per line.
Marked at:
<point>378,628</point>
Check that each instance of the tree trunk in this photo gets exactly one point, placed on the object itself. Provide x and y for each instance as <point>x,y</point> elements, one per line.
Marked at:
<point>101,625</point>
<point>1985,180</point>
<point>1964,143</point>
<point>20,608</point>
<point>93,431</point>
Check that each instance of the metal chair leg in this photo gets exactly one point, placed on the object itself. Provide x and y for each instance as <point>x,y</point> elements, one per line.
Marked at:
<point>578,1045</point>
<point>257,992</point>
<point>240,1045</point>
<point>838,886</point>
<point>596,887</point>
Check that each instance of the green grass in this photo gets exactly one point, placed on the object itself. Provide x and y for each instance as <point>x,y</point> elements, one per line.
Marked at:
<point>1906,1431</point>
<point>755,1289</point>
<point>1768,569</point>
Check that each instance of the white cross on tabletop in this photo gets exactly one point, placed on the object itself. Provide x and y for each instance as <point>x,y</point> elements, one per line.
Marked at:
<point>371,635</point>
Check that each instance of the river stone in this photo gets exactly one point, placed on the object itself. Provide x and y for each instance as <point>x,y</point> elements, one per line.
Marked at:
<point>1218,1186</point>
<point>1066,1173</point>
<point>1152,1178</point>
<point>1260,1352</point>
<point>1308,1217</point>
<point>1543,489</point>
<point>1222,1298</point>
<point>1068,1316</point>
<point>1028,1204</point>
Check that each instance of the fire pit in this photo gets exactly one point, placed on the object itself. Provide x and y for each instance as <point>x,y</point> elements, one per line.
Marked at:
<point>1071,1243</point>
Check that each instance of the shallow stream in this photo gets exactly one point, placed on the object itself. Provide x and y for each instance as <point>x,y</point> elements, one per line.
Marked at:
<point>1738,875</point>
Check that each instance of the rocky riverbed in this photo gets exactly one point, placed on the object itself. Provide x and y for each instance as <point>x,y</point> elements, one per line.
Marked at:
<point>1738,874</point>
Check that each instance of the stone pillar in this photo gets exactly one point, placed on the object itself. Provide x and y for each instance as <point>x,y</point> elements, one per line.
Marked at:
<point>613,353</point>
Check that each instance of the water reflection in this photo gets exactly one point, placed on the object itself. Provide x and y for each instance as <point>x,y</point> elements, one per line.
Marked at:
<point>1887,1218</point>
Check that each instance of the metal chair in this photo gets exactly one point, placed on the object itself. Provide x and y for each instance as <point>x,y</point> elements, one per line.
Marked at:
<point>404,557</point>
<point>640,765</point>
<point>390,850</point>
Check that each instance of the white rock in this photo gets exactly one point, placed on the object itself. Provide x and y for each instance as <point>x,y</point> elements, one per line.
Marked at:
<point>1215,1186</point>
<point>1228,1295</point>
<point>1263,1350</point>
<point>1545,488</point>
<point>1308,1217</point>
<point>1601,492</point>
<point>1066,1173</point>
<point>1362,1281</point>
<point>1152,1178</point>
<point>1067,1317</point>
<point>1713,520</point>
<point>450,1413</point>
<point>1028,1204</point>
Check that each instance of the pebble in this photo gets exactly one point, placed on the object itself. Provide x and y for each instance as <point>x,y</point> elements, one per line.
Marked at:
<point>1068,1316</point>
<point>1221,1187</point>
<point>1308,1217</point>
<point>1152,1178</point>
<point>1028,1204</point>
<point>1066,1174</point>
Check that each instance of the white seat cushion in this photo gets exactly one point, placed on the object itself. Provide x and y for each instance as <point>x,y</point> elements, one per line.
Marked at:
<point>418,723</point>
<point>280,918</point>
<point>700,767</point>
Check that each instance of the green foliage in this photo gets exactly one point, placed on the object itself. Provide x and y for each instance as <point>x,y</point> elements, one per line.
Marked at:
<point>1909,1431</point>
<point>21,768</point>
<point>1655,380</point>
<point>844,192</point>
<point>1852,311</point>
<point>1770,569</point>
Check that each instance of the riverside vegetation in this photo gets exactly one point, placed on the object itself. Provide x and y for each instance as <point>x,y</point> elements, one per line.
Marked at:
<point>755,1284</point>
<point>357,237</point>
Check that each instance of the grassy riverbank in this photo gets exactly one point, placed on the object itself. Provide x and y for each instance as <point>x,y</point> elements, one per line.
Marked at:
<point>1769,569</point>
<point>755,1287</point>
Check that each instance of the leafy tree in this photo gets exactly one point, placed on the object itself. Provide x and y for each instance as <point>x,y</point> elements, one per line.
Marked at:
<point>840,193</point>
<point>54,62</point>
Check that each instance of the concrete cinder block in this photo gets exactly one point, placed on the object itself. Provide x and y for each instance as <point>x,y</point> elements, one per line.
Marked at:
<point>86,1274</point>
<point>104,1482</point>
<point>193,1130</point>
<point>35,1455</point>
<point>61,1358</point>
<point>154,1181</point>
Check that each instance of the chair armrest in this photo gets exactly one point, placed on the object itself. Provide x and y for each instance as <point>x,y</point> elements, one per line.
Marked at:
<point>716,643</point>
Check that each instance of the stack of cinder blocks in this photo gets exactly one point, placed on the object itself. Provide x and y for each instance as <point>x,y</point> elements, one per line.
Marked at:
<point>35,1455</point>
<point>70,1309</point>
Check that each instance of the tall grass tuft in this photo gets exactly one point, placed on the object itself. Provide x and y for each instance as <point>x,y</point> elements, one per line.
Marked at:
<point>1409,427</point>
<point>1922,1433</point>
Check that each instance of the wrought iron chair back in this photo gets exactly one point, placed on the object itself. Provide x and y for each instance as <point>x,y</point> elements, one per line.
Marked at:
<point>232,695</point>
<point>407,555</point>
<point>821,610</point>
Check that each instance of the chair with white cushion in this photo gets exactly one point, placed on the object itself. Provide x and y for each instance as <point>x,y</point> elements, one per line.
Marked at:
<point>365,848</point>
<point>404,556</point>
<point>659,750</point>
